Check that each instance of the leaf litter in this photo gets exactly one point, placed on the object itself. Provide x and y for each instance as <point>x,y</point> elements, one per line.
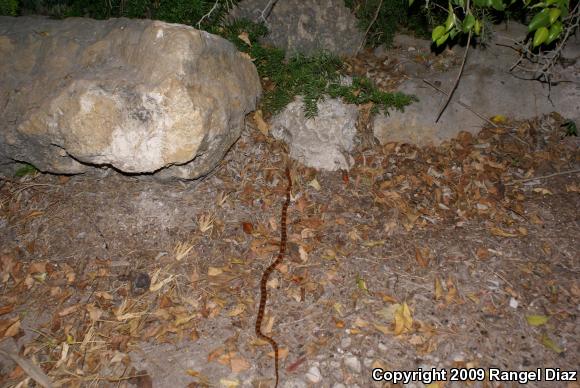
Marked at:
<point>440,256</point>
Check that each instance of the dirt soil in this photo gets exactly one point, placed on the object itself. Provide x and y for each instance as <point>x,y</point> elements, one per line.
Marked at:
<point>446,257</point>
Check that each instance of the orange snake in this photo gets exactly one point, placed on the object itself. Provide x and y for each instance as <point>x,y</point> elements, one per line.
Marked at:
<point>268,272</point>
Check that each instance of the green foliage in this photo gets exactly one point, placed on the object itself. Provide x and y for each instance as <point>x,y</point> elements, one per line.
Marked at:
<point>392,14</point>
<point>571,129</point>
<point>26,169</point>
<point>8,7</point>
<point>363,91</point>
<point>190,12</point>
<point>312,77</point>
<point>463,17</point>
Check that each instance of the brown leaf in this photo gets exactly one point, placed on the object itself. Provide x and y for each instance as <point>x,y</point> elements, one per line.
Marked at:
<point>403,320</point>
<point>421,258</point>
<point>482,253</point>
<point>12,330</point>
<point>501,233</point>
<point>193,335</point>
<point>68,310</point>
<point>95,313</point>
<point>248,227</point>
<point>282,353</point>
<point>6,309</point>
<point>262,125</point>
<point>451,291</point>
<point>438,289</point>
<point>239,364</point>
<point>215,354</point>
<point>37,267</point>
<point>245,37</point>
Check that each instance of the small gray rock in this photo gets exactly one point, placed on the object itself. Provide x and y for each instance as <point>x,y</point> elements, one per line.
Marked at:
<point>353,364</point>
<point>313,375</point>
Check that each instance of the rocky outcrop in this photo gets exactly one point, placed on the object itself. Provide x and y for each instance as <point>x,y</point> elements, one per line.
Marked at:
<point>306,26</point>
<point>324,141</point>
<point>139,96</point>
<point>486,87</point>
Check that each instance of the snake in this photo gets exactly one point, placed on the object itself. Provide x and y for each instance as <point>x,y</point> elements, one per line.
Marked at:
<point>268,271</point>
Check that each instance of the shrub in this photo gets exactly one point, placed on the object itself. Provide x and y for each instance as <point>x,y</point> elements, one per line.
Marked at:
<point>8,7</point>
<point>312,77</point>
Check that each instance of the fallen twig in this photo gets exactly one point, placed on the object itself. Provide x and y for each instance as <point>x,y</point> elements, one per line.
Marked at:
<point>576,171</point>
<point>29,368</point>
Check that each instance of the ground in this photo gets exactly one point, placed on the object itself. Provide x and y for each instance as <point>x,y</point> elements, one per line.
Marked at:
<point>464,255</point>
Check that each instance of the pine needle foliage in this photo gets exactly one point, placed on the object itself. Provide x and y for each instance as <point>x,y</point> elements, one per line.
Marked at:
<point>313,77</point>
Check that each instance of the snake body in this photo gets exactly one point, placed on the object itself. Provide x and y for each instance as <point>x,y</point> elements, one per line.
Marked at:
<point>268,272</point>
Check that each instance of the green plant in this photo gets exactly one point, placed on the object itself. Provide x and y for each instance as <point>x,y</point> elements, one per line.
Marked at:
<point>571,129</point>
<point>204,14</point>
<point>25,169</point>
<point>8,7</point>
<point>546,25</point>
<point>312,77</point>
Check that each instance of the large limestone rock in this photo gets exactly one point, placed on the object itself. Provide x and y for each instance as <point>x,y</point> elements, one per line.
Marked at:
<point>306,26</point>
<point>487,87</point>
<point>139,96</point>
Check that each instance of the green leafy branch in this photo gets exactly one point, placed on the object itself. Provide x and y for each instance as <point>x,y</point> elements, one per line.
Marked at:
<point>547,24</point>
<point>312,77</point>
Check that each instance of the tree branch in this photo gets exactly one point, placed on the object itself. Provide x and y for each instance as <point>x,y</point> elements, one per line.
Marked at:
<point>467,10</point>
<point>450,94</point>
<point>362,43</point>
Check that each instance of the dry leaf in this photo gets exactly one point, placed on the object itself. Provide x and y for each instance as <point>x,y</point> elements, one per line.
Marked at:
<point>537,320</point>
<point>383,329</point>
<point>245,37</point>
<point>303,254</point>
<point>359,322</point>
<point>95,313</point>
<point>438,289</point>
<point>37,267</point>
<point>239,364</point>
<point>422,256</point>
<point>501,233</point>
<point>262,125</point>
<point>214,271</point>
<point>314,183</point>
<point>215,354</point>
<point>240,308</point>
<point>246,55</point>
<point>403,320</point>
<point>248,227</point>
<point>550,344</point>
<point>282,353</point>
<point>68,310</point>
<point>103,295</point>
<point>482,253</point>
<point>6,309</point>
<point>13,329</point>
<point>542,191</point>
<point>229,383</point>
<point>451,291</point>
